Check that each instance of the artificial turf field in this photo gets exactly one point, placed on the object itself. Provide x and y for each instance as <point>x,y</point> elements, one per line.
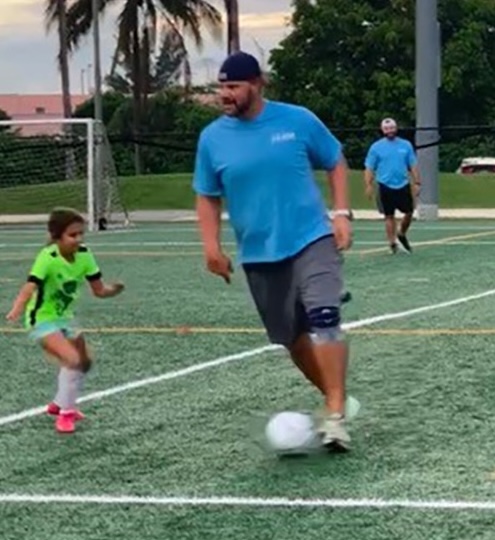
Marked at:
<point>171,447</point>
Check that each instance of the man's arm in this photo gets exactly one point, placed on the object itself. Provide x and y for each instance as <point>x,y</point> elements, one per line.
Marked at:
<point>370,164</point>
<point>325,152</point>
<point>413,169</point>
<point>415,175</point>
<point>208,198</point>
<point>209,193</point>
<point>209,210</point>
<point>339,189</point>
<point>369,178</point>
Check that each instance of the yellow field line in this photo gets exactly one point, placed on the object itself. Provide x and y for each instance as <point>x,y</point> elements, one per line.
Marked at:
<point>427,243</point>
<point>186,330</point>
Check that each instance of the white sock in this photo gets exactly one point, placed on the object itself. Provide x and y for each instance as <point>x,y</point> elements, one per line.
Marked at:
<point>69,383</point>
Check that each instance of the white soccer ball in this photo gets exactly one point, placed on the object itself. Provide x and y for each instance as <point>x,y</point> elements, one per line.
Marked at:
<point>291,433</point>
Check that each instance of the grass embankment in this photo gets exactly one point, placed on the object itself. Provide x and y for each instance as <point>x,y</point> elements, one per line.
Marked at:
<point>173,191</point>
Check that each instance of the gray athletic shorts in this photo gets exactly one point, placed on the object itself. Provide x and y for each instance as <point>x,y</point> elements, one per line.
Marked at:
<point>286,291</point>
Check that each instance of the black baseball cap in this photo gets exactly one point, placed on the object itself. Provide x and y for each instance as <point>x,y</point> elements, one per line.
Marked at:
<point>239,66</point>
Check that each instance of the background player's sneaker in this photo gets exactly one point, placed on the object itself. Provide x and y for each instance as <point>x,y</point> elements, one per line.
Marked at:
<point>345,297</point>
<point>334,434</point>
<point>404,243</point>
<point>394,248</point>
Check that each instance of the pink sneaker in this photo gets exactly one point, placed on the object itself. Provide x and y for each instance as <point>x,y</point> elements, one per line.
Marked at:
<point>66,422</point>
<point>54,410</point>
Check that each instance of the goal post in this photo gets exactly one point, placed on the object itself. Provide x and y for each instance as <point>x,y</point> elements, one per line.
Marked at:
<point>58,162</point>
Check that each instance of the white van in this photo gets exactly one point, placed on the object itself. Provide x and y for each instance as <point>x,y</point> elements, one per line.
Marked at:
<point>475,165</point>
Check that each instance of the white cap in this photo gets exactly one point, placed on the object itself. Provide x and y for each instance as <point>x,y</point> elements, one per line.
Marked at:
<point>388,124</point>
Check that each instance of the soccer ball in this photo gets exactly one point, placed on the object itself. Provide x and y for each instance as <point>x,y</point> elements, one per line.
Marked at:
<point>291,433</point>
<point>294,433</point>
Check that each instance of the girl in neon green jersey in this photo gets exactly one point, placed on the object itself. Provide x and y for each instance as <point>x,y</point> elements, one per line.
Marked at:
<point>47,300</point>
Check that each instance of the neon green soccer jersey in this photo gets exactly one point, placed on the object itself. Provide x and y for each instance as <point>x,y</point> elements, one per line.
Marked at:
<point>59,283</point>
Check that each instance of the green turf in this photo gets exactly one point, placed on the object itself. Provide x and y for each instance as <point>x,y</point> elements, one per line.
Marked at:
<point>425,432</point>
<point>174,192</point>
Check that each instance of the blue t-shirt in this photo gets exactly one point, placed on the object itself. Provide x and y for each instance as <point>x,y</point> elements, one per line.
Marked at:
<point>391,161</point>
<point>263,168</point>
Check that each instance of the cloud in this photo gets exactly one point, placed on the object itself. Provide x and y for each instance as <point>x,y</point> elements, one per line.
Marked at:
<point>28,55</point>
<point>278,19</point>
<point>19,14</point>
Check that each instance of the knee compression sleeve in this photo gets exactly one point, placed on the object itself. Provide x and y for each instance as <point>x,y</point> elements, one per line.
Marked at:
<point>324,323</point>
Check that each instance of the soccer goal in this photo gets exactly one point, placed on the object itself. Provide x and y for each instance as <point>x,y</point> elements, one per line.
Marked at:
<point>60,162</point>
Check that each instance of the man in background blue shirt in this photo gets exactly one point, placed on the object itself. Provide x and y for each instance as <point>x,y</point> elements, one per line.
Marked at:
<point>389,161</point>
<point>259,159</point>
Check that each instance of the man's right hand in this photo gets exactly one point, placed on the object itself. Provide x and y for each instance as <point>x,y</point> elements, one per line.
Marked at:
<point>369,191</point>
<point>218,263</point>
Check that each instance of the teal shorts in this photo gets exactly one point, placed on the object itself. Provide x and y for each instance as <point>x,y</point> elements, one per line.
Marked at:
<point>43,329</point>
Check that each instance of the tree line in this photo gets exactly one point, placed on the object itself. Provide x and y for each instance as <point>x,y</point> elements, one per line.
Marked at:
<point>142,27</point>
<point>350,61</point>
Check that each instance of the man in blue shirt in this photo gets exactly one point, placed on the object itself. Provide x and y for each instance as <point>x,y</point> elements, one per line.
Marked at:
<point>390,160</point>
<point>259,158</point>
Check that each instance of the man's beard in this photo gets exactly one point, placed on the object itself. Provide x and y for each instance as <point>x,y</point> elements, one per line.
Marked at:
<point>239,108</point>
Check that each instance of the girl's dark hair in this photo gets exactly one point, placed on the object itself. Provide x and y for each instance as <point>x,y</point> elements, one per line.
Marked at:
<point>60,219</point>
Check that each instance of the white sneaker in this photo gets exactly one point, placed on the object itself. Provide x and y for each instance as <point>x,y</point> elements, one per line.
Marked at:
<point>333,433</point>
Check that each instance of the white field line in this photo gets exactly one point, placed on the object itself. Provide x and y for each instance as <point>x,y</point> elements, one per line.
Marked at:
<point>358,225</point>
<point>178,243</point>
<point>181,243</point>
<point>29,413</point>
<point>468,243</point>
<point>253,502</point>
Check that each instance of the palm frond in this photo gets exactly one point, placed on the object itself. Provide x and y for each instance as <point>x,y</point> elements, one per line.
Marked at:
<point>51,14</point>
<point>193,14</point>
<point>118,83</point>
<point>126,24</point>
<point>211,18</point>
<point>80,18</point>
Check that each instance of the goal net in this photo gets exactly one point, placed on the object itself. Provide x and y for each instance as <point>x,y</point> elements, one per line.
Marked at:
<point>50,163</point>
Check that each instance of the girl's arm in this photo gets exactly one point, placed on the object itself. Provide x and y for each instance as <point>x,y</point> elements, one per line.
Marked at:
<point>102,290</point>
<point>21,300</point>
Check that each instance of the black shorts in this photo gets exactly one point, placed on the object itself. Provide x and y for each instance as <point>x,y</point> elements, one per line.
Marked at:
<point>389,200</point>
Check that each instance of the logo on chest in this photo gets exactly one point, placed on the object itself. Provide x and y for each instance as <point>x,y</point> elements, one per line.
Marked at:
<point>283,136</point>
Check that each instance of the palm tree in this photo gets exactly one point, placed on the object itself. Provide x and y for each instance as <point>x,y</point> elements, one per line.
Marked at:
<point>56,15</point>
<point>233,34</point>
<point>164,70</point>
<point>137,24</point>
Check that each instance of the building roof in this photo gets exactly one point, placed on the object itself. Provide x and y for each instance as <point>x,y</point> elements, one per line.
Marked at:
<point>37,107</point>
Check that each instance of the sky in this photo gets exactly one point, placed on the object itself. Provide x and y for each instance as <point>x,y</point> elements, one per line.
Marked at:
<point>28,53</point>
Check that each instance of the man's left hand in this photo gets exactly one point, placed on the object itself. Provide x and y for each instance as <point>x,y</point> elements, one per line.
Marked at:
<point>342,230</point>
